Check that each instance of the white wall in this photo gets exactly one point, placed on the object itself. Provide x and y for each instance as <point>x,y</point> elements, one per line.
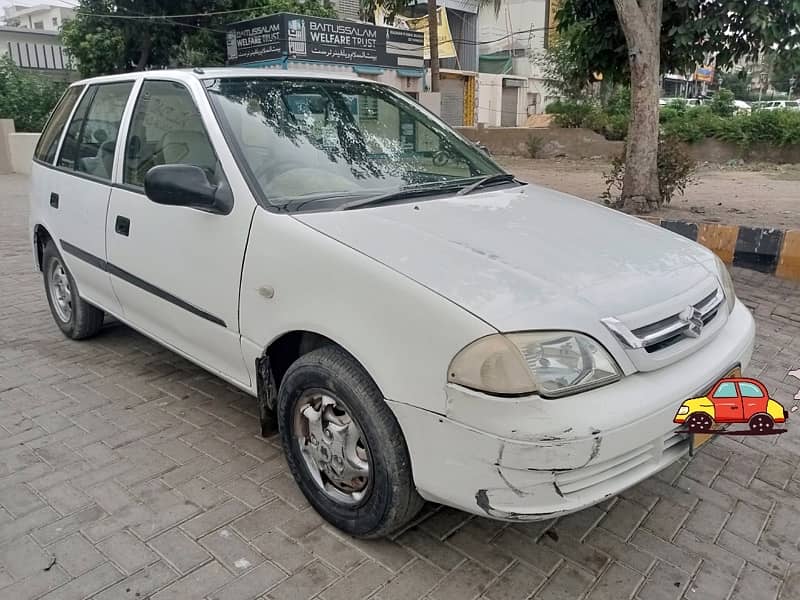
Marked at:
<point>50,17</point>
<point>22,146</point>
<point>33,49</point>
<point>490,98</point>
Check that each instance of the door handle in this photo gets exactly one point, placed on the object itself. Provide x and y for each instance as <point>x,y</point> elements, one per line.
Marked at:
<point>122,225</point>
<point>54,200</point>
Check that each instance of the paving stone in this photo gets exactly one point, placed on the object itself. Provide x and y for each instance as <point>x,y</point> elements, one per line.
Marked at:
<point>615,583</point>
<point>214,518</point>
<point>623,518</point>
<point>19,500</point>
<point>709,584</point>
<point>665,582</point>
<point>567,583</point>
<point>307,582</point>
<point>253,583</point>
<point>755,583</point>
<point>229,549</point>
<point>359,583</point>
<point>76,555</point>
<point>283,551</point>
<point>747,522</point>
<point>516,583</point>
<point>197,584</point>
<point>179,550</point>
<point>35,585</point>
<point>332,550</point>
<point>126,551</point>
<point>468,580</point>
<point>440,554</point>
<point>87,584</point>
<point>415,581</point>
<point>22,557</point>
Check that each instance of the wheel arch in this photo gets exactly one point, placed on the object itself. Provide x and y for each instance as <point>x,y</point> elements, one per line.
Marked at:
<point>40,238</point>
<point>279,355</point>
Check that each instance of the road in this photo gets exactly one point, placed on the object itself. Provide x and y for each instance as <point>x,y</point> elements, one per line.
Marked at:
<point>127,472</point>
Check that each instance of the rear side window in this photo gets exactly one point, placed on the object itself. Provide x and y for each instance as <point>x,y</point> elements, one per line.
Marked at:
<point>92,135</point>
<point>167,129</point>
<point>48,143</point>
<point>750,390</point>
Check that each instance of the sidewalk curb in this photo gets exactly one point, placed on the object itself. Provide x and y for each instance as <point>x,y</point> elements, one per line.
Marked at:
<point>764,249</point>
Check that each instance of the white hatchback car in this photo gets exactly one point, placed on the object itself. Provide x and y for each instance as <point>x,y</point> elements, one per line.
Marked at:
<point>422,329</point>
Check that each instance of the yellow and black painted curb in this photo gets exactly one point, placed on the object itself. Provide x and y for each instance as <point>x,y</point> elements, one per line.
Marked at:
<point>773,251</point>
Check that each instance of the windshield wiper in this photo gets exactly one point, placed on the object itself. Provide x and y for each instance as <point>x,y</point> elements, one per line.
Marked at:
<point>397,195</point>
<point>497,178</point>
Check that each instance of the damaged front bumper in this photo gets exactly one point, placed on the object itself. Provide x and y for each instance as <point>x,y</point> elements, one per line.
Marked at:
<point>528,459</point>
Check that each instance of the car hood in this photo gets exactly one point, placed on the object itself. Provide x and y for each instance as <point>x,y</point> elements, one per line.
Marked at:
<point>518,258</point>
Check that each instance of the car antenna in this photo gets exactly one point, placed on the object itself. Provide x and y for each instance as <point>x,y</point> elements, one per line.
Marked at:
<point>199,71</point>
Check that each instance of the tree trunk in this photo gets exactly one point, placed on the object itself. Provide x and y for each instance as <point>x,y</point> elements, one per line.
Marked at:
<point>641,23</point>
<point>144,52</point>
<point>433,42</point>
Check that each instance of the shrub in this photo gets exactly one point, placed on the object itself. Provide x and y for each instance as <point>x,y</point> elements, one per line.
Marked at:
<point>722,103</point>
<point>534,144</point>
<point>676,170</point>
<point>27,98</point>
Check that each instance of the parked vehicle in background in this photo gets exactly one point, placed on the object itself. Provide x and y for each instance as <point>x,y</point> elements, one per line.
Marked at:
<point>742,107</point>
<point>780,105</point>
<point>419,331</point>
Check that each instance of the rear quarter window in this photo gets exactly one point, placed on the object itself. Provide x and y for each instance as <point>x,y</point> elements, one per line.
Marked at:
<point>48,142</point>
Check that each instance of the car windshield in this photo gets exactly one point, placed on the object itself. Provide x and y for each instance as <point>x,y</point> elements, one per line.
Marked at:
<point>322,144</point>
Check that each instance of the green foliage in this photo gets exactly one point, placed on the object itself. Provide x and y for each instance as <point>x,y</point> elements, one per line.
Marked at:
<point>566,71</point>
<point>785,65</point>
<point>738,82</point>
<point>676,170</point>
<point>534,145</point>
<point>722,103</point>
<point>102,43</point>
<point>26,97</point>
<point>610,121</point>
<point>690,31</point>
<point>773,127</point>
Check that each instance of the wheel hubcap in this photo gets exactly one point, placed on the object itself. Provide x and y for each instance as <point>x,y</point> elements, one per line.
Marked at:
<point>60,291</point>
<point>332,447</point>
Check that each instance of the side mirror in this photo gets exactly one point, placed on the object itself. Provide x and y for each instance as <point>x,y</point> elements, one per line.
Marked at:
<point>187,185</point>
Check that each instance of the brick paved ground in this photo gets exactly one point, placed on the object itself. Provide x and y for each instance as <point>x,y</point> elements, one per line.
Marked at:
<point>126,472</point>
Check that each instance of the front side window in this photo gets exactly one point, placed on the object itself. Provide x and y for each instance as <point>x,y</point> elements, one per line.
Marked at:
<point>91,139</point>
<point>726,390</point>
<point>167,129</point>
<point>48,143</point>
<point>750,390</point>
<point>327,143</point>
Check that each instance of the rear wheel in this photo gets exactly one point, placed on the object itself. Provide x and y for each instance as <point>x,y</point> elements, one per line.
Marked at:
<point>344,446</point>
<point>699,421</point>
<point>761,423</point>
<point>76,318</point>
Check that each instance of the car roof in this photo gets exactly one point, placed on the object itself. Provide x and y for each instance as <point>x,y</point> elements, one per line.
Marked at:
<point>218,72</point>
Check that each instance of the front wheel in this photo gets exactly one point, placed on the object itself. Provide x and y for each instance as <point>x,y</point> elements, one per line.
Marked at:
<point>344,446</point>
<point>761,423</point>
<point>699,421</point>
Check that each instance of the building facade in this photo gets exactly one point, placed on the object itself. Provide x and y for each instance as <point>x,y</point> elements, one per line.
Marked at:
<point>511,86</point>
<point>42,17</point>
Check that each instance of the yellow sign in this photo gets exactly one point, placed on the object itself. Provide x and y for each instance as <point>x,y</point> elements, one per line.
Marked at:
<point>447,48</point>
<point>551,22</point>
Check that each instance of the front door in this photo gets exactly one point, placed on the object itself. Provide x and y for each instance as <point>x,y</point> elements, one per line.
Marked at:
<point>176,270</point>
<point>727,403</point>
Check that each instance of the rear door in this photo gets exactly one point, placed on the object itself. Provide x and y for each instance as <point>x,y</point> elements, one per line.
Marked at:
<point>754,399</point>
<point>81,187</point>
<point>176,270</point>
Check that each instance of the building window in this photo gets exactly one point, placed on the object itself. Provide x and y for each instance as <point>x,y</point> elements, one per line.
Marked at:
<point>38,24</point>
<point>55,21</point>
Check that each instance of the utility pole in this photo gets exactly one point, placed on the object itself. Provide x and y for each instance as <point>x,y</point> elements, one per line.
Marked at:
<point>792,81</point>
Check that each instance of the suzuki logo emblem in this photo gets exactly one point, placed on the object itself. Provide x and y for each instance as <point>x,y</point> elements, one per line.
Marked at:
<point>693,318</point>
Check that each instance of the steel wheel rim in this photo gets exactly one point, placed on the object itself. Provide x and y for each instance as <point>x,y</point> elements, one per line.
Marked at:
<point>333,447</point>
<point>60,291</point>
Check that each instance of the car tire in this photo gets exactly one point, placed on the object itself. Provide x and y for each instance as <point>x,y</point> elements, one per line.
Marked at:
<point>761,423</point>
<point>344,445</point>
<point>76,318</point>
<point>699,421</point>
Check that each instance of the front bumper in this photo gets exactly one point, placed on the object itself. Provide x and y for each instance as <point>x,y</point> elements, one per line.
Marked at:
<point>527,459</point>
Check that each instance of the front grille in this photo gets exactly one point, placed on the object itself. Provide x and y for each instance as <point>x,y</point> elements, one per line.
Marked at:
<point>666,332</point>
<point>631,465</point>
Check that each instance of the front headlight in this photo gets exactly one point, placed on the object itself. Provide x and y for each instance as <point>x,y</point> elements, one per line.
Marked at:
<point>552,363</point>
<point>726,282</point>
